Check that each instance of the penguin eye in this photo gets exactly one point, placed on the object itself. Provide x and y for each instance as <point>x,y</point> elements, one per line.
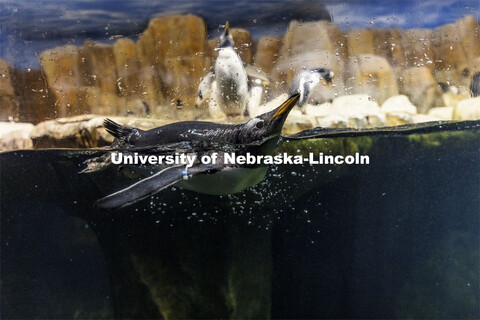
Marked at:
<point>259,125</point>
<point>200,94</point>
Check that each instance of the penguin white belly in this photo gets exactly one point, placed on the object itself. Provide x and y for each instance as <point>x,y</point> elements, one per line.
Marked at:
<point>231,82</point>
<point>224,182</point>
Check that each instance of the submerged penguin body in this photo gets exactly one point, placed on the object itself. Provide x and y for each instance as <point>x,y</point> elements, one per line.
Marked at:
<point>230,180</point>
<point>259,136</point>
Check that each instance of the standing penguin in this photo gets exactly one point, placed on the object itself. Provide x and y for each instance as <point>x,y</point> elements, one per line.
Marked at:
<point>207,90</point>
<point>231,77</point>
<point>303,83</point>
<point>225,89</point>
<point>308,79</point>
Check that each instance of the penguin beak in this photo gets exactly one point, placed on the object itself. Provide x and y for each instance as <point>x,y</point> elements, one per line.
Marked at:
<point>227,28</point>
<point>285,107</point>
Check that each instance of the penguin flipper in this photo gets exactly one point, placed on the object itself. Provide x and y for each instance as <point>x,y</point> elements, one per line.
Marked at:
<point>149,186</point>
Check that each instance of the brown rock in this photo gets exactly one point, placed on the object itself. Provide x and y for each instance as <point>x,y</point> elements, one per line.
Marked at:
<point>102,103</point>
<point>212,45</point>
<point>456,42</point>
<point>243,41</point>
<point>418,48</point>
<point>421,88</point>
<point>267,52</point>
<point>360,41</point>
<point>457,48</point>
<point>102,72</point>
<point>457,45</point>
<point>89,96</point>
<point>9,107</point>
<point>151,82</point>
<point>448,47</point>
<point>60,66</point>
<point>32,94</point>
<point>388,44</point>
<point>372,75</point>
<point>469,35</point>
<point>308,35</point>
<point>128,68</point>
<point>173,47</point>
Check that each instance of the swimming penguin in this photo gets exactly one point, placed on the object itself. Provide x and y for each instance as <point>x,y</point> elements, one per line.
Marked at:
<point>259,135</point>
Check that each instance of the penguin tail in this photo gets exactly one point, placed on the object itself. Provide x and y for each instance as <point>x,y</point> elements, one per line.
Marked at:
<point>117,130</point>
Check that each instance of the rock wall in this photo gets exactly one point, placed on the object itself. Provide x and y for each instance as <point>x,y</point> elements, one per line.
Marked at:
<point>159,73</point>
<point>9,106</point>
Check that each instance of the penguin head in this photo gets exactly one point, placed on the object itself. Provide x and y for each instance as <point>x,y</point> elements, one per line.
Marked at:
<point>270,123</point>
<point>307,79</point>
<point>226,39</point>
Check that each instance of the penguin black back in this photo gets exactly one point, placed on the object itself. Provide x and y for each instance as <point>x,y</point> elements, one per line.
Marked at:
<point>170,133</point>
<point>256,129</point>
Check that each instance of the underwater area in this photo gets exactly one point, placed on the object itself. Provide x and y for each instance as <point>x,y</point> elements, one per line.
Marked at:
<point>398,238</point>
<point>395,237</point>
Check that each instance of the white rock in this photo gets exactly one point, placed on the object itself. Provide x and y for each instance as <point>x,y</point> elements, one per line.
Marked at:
<point>321,110</point>
<point>398,105</point>
<point>354,105</point>
<point>441,113</point>
<point>423,118</point>
<point>297,121</point>
<point>332,121</point>
<point>468,109</point>
<point>15,136</point>
<point>451,99</point>
<point>358,111</point>
<point>396,119</point>
<point>372,75</point>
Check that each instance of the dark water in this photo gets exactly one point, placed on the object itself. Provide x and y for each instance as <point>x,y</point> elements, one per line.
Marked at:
<point>398,238</point>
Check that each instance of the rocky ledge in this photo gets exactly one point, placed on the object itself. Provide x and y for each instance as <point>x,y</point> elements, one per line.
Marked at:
<point>355,111</point>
